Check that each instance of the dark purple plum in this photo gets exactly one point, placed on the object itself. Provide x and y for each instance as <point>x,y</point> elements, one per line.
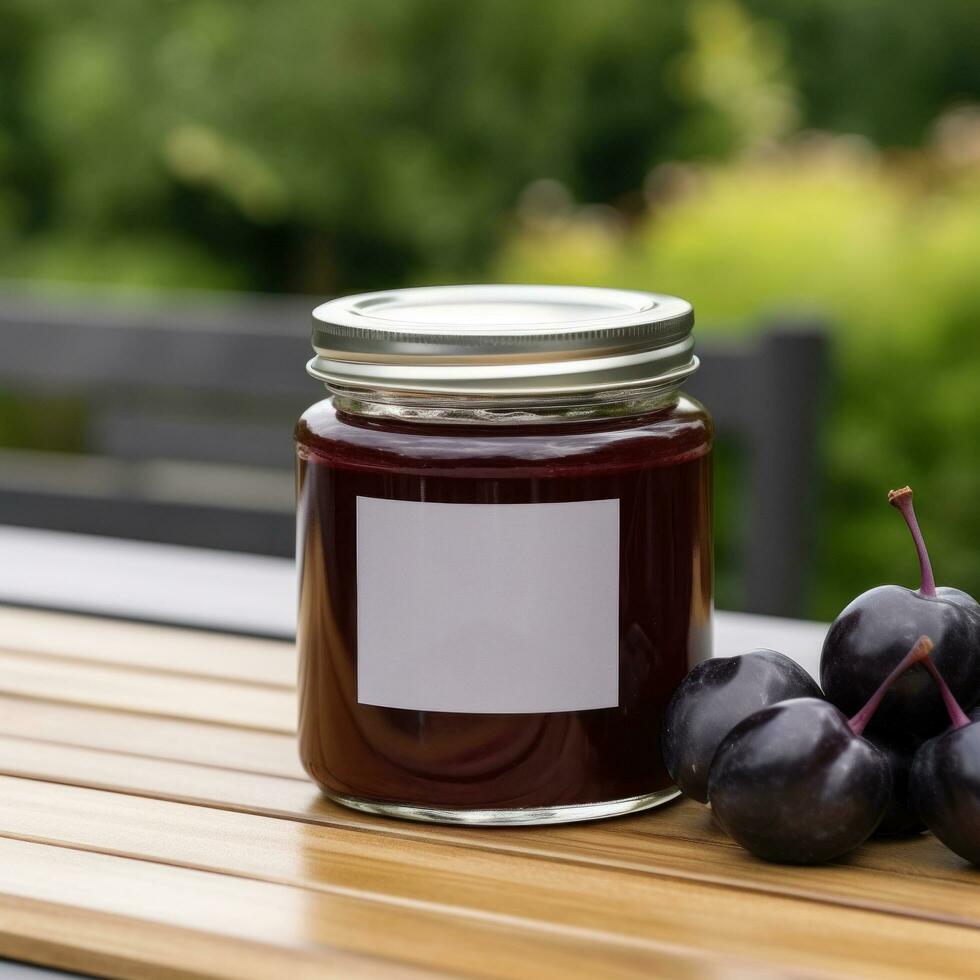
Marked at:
<point>797,783</point>
<point>871,636</point>
<point>713,698</point>
<point>900,818</point>
<point>945,779</point>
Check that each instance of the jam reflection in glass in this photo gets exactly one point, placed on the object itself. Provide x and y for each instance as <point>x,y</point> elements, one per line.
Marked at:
<point>658,467</point>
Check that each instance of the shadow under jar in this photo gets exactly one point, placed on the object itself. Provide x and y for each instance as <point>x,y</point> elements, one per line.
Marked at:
<point>504,542</point>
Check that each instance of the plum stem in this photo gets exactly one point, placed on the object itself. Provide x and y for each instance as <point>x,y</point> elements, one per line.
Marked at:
<point>919,653</point>
<point>957,715</point>
<point>902,500</point>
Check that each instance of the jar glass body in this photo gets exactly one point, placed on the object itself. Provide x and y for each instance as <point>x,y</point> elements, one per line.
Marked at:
<point>650,461</point>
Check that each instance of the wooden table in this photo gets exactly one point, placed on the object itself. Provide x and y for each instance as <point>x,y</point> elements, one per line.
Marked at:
<point>154,821</point>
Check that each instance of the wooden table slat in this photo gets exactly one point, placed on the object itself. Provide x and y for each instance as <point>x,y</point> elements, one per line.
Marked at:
<point>136,691</point>
<point>257,758</point>
<point>916,877</point>
<point>166,649</point>
<point>178,920</point>
<point>154,819</point>
<point>179,740</point>
<point>601,906</point>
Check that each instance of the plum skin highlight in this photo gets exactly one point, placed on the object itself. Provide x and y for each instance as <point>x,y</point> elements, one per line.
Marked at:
<point>873,632</point>
<point>714,697</point>
<point>797,783</point>
<point>945,780</point>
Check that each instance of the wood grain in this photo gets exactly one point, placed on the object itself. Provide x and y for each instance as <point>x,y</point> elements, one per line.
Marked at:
<point>140,918</point>
<point>918,878</point>
<point>146,735</point>
<point>162,695</point>
<point>258,753</point>
<point>165,649</point>
<point>599,904</point>
<point>154,821</point>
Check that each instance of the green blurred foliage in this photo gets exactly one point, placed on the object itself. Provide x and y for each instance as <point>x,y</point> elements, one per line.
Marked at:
<point>333,146</point>
<point>317,146</point>
<point>890,254</point>
<point>321,147</point>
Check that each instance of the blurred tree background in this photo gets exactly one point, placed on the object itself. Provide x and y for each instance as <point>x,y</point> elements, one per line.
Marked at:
<point>751,155</point>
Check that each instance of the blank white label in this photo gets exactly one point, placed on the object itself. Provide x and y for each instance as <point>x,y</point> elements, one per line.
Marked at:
<point>478,608</point>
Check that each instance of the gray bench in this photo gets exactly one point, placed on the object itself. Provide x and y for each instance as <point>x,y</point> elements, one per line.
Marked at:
<point>188,403</point>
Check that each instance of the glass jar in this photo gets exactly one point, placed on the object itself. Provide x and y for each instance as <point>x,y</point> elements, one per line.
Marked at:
<point>504,543</point>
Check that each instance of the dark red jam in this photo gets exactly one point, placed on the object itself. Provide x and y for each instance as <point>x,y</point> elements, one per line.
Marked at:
<point>656,465</point>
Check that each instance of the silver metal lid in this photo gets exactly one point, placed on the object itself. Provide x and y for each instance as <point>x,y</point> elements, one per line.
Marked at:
<point>503,340</point>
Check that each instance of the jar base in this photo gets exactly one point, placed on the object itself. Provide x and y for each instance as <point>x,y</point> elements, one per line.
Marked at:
<point>509,816</point>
